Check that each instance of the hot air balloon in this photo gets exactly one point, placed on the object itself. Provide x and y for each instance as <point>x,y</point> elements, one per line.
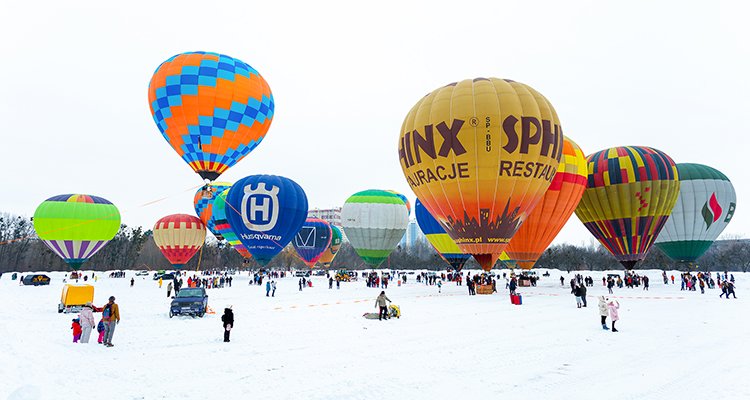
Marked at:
<point>76,226</point>
<point>327,258</point>
<point>629,195</point>
<point>443,244</point>
<point>553,211</point>
<point>219,215</point>
<point>404,198</point>
<point>266,212</point>
<point>479,154</point>
<point>212,109</point>
<point>179,237</point>
<point>374,222</point>
<point>312,240</point>
<point>703,209</point>
<point>203,203</point>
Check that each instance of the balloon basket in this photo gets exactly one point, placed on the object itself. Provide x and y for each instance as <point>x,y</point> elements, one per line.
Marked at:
<point>484,289</point>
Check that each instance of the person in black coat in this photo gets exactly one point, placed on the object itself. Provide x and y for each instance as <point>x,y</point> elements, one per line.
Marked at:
<point>228,320</point>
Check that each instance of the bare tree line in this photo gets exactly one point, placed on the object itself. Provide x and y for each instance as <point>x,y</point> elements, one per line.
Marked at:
<point>134,248</point>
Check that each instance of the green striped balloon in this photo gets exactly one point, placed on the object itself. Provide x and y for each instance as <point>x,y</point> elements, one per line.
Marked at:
<point>374,221</point>
<point>703,209</point>
<point>76,226</point>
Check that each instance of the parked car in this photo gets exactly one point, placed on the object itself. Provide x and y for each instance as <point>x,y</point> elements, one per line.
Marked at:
<point>36,280</point>
<point>142,273</point>
<point>300,274</point>
<point>168,276</point>
<point>190,301</point>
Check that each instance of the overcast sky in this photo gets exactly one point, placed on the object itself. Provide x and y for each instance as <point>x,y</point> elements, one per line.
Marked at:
<point>75,118</point>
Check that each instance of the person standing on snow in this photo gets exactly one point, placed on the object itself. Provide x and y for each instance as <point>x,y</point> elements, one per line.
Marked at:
<point>268,288</point>
<point>330,283</point>
<point>273,288</point>
<point>228,322</point>
<point>440,286</point>
<point>576,291</point>
<point>111,317</point>
<point>512,286</point>
<point>87,322</point>
<point>132,281</point>
<point>603,312</point>
<point>300,284</point>
<point>613,306</point>
<point>381,302</point>
<point>169,289</point>
<point>160,281</point>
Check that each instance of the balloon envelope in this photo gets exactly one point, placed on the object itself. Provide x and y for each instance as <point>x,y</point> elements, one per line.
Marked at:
<point>179,237</point>
<point>479,154</point>
<point>553,211</point>
<point>266,212</point>
<point>219,214</point>
<point>405,199</point>
<point>703,209</point>
<point>212,109</point>
<point>76,226</point>
<point>374,222</point>
<point>203,203</point>
<point>327,258</point>
<point>629,195</point>
<point>443,244</point>
<point>312,240</point>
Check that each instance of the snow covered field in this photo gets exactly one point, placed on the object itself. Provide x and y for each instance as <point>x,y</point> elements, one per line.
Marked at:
<point>315,344</point>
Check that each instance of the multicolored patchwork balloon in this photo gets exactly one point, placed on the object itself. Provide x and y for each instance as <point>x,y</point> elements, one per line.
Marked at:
<point>554,210</point>
<point>266,212</point>
<point>76,226</point>
<point>219,215</point>
<point>374,222</point>
<point>212,109</point>
<point>405,199</point>
<point>327,258</point>
<point>203,203</point>
<point>479,154</point>
<point>629,195</point>
<point>704,207</point>
<point>312,240</point>
<point>179,237</point>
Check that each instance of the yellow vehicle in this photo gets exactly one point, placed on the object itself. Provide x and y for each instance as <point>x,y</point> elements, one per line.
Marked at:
<point>74,297</point>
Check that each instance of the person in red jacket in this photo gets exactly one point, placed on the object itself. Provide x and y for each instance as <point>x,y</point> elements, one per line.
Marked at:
<point>76,327</point>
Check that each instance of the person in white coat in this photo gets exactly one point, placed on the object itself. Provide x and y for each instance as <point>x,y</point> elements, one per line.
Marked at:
<point>87,322</point>
<point>603,311</point>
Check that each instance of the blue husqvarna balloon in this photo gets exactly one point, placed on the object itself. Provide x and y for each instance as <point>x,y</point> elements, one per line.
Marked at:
<point>266,212</point>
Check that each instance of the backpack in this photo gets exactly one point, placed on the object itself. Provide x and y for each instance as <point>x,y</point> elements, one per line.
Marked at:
<point>107,312</point>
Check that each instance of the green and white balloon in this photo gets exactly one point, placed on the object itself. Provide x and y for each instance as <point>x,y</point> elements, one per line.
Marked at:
<point>704,207</point>
<point>374,221</point>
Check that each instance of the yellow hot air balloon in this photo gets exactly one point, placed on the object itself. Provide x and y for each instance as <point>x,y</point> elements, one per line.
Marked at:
<point>480,154</point>
<point>629,195</point>
<point>555,209</point>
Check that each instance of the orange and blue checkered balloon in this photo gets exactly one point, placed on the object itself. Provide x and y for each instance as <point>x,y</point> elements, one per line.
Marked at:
<point>212,109</point>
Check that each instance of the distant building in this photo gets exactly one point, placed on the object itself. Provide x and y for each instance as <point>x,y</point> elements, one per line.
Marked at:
<point>331,215</point>
<point>412,236</point>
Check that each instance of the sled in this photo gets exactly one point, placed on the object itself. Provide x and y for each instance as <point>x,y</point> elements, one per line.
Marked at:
<point>394,311</point>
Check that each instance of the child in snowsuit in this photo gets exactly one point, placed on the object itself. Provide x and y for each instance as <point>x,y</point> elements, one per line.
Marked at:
<point>76,327</point>
<point>100,329</point>
<point>613,306</point>
<point>603,311</point>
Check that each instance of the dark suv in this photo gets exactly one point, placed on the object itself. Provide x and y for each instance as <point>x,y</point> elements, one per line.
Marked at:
<point>190,301</point>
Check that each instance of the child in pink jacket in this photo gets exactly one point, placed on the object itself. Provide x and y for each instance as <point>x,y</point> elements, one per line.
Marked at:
<point>613,306</point>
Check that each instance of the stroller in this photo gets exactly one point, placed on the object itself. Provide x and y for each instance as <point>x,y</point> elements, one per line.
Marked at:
<point>394,311</point>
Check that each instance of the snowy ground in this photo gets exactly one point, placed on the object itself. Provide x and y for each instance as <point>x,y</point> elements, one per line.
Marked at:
<point>316,345</point>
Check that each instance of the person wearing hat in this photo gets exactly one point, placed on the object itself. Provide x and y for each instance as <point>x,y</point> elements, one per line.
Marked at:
<point>228,321</point>
<point>87,322</point>
<point>111,317</point>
